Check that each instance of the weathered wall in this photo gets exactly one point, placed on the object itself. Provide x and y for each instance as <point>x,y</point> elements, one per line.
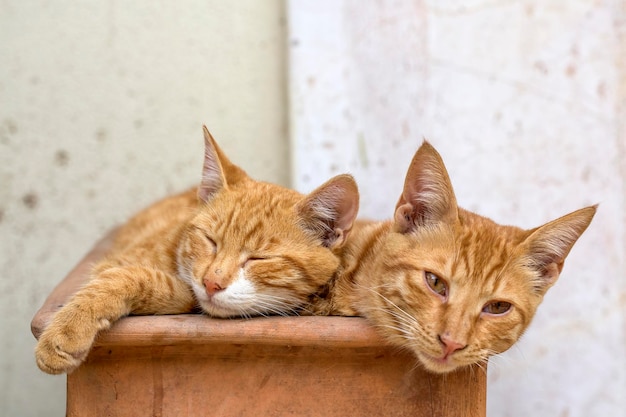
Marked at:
<point>525,102</point>
<point>101,112</point>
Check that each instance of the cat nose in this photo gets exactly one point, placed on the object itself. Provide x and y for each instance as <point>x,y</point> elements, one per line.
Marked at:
<point>212,287</point>
<point>450,345</point>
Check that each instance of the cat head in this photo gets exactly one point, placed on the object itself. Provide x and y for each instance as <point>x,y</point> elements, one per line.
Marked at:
<point>454,287</point>
<point>256,248</point>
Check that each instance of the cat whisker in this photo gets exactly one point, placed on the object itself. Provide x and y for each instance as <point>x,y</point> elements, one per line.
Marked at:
<point>398,319</point>
<point>407,315</point>
<point>416,365</point>
<point>403,332</point>
<point>519,350</point>
<point>480,364</point>
<point>282,306</point>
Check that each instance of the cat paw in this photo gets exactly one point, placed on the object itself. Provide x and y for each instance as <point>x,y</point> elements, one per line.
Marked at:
<point>53,359</point>
<point>62,350</point>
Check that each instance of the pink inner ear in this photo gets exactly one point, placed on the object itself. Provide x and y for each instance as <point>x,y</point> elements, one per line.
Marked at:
<point>427,191</point>
<point>346,208</point>
<point>212,172</point>
<point>404,218</point>
<point>217,170</point>
<point>552,272</point>
<point>330,210</point>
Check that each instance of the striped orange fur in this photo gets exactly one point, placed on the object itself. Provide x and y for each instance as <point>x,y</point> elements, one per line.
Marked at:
<point>233,247</point>
<point>449,285</point>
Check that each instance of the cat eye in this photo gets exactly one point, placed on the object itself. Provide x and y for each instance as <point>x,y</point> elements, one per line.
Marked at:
<point>436,284</point>
<point>210,240</point>
<point>497,307</point>
<point>253,259</point>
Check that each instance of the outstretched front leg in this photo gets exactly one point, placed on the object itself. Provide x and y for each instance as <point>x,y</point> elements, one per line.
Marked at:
<point>111,294</point>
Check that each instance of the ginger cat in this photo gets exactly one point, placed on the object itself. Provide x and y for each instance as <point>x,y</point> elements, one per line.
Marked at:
<point>444,283</point>
<point>234,248</point>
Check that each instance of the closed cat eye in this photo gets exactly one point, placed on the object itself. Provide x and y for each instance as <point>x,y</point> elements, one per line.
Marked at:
<point>210,240</point>
<point>436,284</point>
<point>497,307</point>
<point>253,259</point>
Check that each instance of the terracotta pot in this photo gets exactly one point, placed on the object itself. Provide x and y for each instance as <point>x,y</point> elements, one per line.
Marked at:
<point>192,365</point>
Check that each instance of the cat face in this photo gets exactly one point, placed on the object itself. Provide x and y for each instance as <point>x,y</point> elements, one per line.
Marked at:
<point>256,248</point>
<point>454,287</point>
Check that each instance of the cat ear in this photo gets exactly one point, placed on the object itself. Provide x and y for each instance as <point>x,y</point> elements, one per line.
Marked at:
<point>330,210</point>
<point>428,196</point>
<point>547,246</point>
<point>217,171</point>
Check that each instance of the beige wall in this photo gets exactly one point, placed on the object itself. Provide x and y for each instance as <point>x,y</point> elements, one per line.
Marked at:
<point>101,107</point>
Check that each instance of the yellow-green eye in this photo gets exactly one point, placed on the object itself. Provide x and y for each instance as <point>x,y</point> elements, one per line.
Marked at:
<point>497,307</point>
<point>436,284</point>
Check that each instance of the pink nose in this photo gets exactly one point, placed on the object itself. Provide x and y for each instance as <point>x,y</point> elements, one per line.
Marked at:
<point>212,287</point>
<point>449,344</point>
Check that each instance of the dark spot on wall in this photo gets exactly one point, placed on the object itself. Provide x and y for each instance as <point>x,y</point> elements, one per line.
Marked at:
<point>1,215</point>
<point>90,194</point>
<point>570,70</point>
<point>11,126</point>
<point>601,89</point>
<point>406,130</point>
<point>61,157</point>
<point>541,67</point>
<point>34,80</point>
<point>586,174</point>
<point>138,123</point>
<point>101,134</point>
<point>30,200</point>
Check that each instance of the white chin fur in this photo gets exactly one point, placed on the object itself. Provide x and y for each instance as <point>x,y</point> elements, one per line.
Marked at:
<point>238,299</point>
<point>437,366</point>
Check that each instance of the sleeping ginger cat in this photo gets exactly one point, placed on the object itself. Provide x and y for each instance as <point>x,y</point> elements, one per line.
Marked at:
<point>234,248</point>
<point>444,283</point>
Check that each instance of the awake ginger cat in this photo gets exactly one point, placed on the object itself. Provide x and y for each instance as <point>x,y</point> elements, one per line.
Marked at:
<point>448,285</point>
<point>235,248</point>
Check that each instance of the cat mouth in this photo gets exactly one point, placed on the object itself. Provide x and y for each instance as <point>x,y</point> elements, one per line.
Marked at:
<point>438,364</point>
<point>215,309</point>
<point>223,304</point>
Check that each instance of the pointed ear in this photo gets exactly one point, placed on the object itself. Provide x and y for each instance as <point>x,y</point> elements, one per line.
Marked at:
<point>217,171</point>
<point>330,210</point>
<point>428,196</point>
<point>547,246</point>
